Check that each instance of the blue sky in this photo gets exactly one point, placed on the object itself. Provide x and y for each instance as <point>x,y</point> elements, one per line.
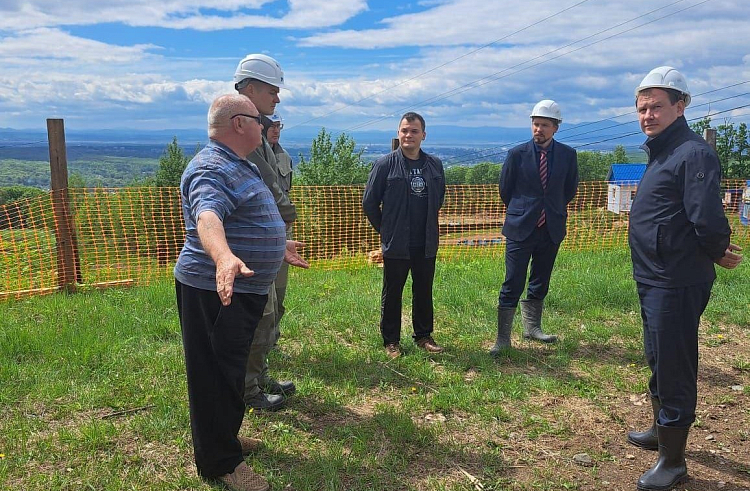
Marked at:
<point>358,65</point>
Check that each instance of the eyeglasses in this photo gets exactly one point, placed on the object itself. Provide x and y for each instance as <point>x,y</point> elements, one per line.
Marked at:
<point>256,118</point>
<point>278,126</point>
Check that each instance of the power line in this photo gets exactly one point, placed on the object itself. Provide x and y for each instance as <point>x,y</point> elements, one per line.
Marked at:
<point>497,75</point>
<point>604,140</point>
<point>695,96</point>
<point>637,132</point>
<point>471,156</point>
<point>629,113</point>
<point>628,122</point>
<point>469,53</point>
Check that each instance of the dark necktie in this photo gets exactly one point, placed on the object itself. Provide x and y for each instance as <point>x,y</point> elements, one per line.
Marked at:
<point>543,176</point>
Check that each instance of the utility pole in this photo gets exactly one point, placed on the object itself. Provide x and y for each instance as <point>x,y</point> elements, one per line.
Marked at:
<point>709,134</point>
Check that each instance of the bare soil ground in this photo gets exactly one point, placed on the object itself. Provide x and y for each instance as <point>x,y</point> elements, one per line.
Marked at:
<point>718,450</point>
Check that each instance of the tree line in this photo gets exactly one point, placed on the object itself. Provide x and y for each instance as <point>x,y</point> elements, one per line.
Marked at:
<point>732,145</point>
<point>333,163</point>
<point>338,163</point>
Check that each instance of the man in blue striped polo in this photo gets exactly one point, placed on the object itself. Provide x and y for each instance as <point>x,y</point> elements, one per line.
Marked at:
<point>235,242</point>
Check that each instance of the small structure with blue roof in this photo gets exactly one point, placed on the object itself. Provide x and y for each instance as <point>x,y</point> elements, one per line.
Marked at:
<point>623,181</point>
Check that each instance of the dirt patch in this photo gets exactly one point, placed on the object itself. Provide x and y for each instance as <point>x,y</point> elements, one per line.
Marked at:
<point>718,450</point>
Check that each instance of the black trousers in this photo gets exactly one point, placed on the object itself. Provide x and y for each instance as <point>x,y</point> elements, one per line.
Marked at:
<point>670,341</point>
<point>395,272</point>
<point>216,340</point>
<point>542,252</point>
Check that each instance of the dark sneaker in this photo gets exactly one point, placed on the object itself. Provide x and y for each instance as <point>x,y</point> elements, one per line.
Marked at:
<point>393,350</point>
<point>244,479</point>
<point>265,402</point>
<point>249,445</point>
<point>429,345</point>
<point>284,388</point>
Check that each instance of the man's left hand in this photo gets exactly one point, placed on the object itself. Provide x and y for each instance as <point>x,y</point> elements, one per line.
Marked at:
<point>292,256</point>
<point>730,259</point>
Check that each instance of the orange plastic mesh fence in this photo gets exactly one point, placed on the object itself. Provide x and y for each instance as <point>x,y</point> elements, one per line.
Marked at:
<point>133,235</point>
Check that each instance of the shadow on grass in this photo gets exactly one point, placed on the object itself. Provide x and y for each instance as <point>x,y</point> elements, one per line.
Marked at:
<point>738,470</point>
<point>382,449</point>
<point>717,377</point>
<point>705,485</point>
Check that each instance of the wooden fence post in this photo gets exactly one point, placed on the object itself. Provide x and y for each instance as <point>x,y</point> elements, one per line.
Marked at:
<point>709,134</point>
<point>68,263</point>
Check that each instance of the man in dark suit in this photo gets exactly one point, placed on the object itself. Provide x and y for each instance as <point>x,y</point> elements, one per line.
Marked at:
<point>538,180</point>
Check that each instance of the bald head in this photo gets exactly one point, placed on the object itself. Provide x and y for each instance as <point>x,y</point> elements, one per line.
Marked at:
<point>223,108</point>
<point>231,121</point>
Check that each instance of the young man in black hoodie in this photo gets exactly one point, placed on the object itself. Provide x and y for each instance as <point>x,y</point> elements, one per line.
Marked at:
<point>403,196</point>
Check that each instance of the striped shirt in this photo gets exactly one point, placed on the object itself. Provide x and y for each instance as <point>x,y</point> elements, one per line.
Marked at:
<point>217,180</point>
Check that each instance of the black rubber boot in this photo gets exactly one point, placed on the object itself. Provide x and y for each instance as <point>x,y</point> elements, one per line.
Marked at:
<point>671,468</point>
<point>531,312</point>
<point>647,440</point>
<point>504,326</point>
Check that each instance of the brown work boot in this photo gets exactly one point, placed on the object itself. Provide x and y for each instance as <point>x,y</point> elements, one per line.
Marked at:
<point>244,479</point>
<point>429,345</point>
<point>393,350</point>
<point>249,445</point>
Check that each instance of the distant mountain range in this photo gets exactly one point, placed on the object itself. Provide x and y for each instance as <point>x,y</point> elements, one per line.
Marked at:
<point>597,135</point>
<point>116,158</point>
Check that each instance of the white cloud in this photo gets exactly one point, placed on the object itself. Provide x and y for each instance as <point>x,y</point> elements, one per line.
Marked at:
<point>458,61</point>
<point>471,22</point>
<point>45,43</point>
<point>204,15</point>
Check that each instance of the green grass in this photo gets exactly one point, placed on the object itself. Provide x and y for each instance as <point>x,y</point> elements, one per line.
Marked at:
<point>359,422</point>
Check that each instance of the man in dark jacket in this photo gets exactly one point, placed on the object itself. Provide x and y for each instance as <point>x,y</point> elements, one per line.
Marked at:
<point>538,180</point>
<point>677,231</point>
<point>403,196</point>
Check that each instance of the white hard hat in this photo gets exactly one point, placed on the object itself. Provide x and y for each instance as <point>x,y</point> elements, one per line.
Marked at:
<point>260,67</point>
<point>275,118</point>
<point>547,109</point>
<point>665,77</point>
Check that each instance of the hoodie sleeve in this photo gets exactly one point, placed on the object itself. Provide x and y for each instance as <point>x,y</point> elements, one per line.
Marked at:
<point>374,190</point>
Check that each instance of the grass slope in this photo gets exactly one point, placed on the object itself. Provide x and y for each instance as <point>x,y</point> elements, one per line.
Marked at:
<point>92,389</point>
